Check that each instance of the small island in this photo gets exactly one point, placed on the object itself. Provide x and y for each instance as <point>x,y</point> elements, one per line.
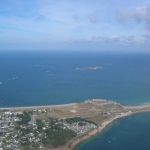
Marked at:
<point>89,68</point>
<point>58,127</point>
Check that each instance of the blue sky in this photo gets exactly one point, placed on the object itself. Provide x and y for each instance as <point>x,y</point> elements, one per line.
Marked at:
<point>100,25</point>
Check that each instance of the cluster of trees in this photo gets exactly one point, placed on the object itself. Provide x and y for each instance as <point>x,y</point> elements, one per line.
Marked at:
<point>25,131</point>
<point>29,146</point>
<point>53,121</point>
<point>57,138</point>
<point>25,118</point>
<point>40,124</point>
<point>81,123</point>
<point>55,135</point>
<point>78,119</point>
<point>1,133</point>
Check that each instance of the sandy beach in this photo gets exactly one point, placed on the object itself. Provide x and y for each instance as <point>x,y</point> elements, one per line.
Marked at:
<point>37,107</point>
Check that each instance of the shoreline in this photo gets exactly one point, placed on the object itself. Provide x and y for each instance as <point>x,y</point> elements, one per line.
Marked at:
<point>99,129</point>
<point>141,106</point>
<point>103,126</point>
<point>35,107</point>
<point>97,103</point>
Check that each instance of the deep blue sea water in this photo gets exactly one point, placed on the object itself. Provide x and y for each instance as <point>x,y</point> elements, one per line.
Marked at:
<point>46,78</point>
<point>43,78</point>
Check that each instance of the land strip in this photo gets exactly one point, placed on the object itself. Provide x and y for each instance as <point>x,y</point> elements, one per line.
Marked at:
<point>93,116</point>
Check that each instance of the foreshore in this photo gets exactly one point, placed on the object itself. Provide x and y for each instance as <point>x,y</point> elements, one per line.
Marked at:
<point>136,107</point>
<point>36,107</point>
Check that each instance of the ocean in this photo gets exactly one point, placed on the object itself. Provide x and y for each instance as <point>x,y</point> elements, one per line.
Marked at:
<point>29,78</point>
<point>47,78</point>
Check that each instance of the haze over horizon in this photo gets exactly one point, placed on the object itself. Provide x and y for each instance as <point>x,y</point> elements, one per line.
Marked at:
<point>75,25</point>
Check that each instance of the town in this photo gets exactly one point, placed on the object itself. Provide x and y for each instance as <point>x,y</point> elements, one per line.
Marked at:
<point>22,130</point>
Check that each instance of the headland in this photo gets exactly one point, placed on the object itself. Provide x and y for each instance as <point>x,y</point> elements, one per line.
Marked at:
<point>33,127</point>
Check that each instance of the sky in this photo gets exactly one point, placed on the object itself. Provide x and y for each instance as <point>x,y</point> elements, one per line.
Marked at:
<point>89,25</point>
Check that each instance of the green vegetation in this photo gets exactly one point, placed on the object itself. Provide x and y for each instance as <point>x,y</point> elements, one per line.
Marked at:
<point>57,138</point>
<point>25,118</point>
<point>1,133</point>
<point>78,119</point>
<point>30,147</point>
<point>40,124</point>
<point>23,130</point>
<point>53,121</point>
<point>81,123</point>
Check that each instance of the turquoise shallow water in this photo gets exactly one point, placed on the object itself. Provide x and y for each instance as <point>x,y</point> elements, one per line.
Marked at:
<point>128,133</point>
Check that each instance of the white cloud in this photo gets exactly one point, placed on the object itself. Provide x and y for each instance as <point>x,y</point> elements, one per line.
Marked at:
<point>86,21</point>
<point>93,18</point>
<point>76,18</point>
<point>140,19</point>
<point>147,37</point>
<point>139,14</point>
<point>129,39</point>
<point>113,39</point>
<point>122,15</point>
<point>110,39</point>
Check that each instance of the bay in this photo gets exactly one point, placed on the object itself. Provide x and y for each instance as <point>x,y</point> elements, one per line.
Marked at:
<point>128,133</point>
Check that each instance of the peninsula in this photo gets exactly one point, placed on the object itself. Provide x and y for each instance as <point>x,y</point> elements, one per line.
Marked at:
<point>58,127</point>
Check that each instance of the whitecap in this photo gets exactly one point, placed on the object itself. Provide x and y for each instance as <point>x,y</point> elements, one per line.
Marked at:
<point>0,82</point>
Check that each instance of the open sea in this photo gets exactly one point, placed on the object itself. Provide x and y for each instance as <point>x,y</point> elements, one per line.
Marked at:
<point>29,78</point>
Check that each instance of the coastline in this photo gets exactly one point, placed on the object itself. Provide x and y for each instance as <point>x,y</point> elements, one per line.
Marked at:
<point>98,130</point>
<point>134,107</point>
<point>102,127</point>
<point>71,145</point>
<point>36,107</point>
<point>107,122</point>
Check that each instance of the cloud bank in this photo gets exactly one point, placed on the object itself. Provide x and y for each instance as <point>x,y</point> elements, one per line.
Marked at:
<point>77,24</point>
